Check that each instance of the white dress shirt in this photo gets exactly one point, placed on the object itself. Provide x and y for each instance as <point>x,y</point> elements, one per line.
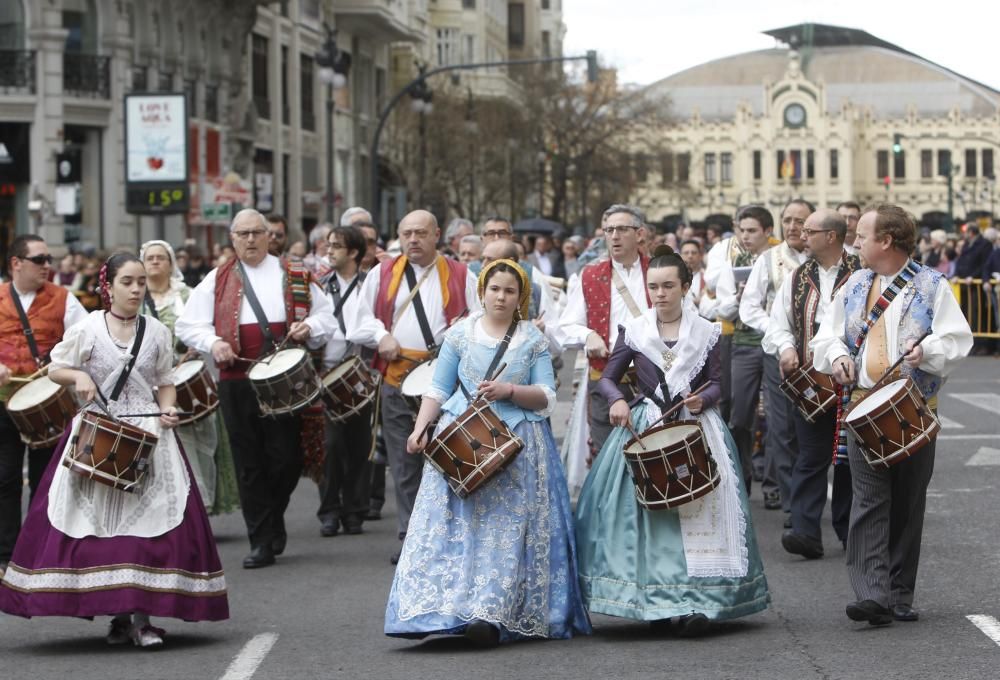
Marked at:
<point>365,329</point>
<point>754,310</point>
<point>544,262</point>
<point>571,332</point>
<point>780,335</point>
<point>726,306</point>
<point>717,260</point>
<point>72,313</point>
<point>336,346</point>
<point>196,326</point>
<point>949,342</point>
<point>697,287</point>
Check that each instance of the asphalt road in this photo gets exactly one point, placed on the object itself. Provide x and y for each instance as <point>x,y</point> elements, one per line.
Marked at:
<point>319,613</point>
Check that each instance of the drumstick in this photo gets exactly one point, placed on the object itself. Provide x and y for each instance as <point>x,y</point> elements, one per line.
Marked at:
<point>179,414</point>
<point>29,378</point>
<point>671,411</point>
<point>896,364</point>
<point>15,379</point>
<point>635,435</point>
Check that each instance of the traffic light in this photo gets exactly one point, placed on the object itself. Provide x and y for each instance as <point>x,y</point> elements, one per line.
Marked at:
<point>897,144</point>
<point>592,66</point>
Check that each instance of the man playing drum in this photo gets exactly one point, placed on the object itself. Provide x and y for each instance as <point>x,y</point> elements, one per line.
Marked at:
<point>48,310</point>
<point>406,305</point>
<point>606,294</point>
<point>348,441</point>
<point>868,327</point>
<point>798,310</point>
<point>239,312</point>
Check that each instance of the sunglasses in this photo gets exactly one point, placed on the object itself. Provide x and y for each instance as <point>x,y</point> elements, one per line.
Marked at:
<point>38,259</point>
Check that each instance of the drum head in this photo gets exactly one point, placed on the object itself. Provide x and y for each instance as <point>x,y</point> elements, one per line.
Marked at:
<point>874,400</point>
<point>187,370</point>
<point>418,380</point>
<point>276,364</point>
<point>32,394</point>
<point>664,438</point>
<point>339,371</point>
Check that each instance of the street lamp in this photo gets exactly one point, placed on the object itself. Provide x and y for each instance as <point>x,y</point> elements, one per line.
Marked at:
<point>422,103</point>
<point>334,65</point>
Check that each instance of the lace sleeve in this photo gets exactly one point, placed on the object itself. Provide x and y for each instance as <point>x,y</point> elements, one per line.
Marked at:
<point>446,369</point>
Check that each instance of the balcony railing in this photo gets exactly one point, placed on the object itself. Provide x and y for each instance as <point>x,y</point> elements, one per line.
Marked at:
<point>17,72</point>
<point>87,75</point>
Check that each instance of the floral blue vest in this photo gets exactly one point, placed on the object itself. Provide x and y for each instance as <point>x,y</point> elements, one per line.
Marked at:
<point>916,318</point>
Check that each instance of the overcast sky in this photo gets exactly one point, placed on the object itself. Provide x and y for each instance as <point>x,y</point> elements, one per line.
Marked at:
<point>651,39</point>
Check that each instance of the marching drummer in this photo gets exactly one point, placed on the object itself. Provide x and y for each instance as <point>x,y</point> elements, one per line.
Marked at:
<point>348,442</point>
<point>676,568</point>
<point>240,312</point>
<point>34,314</point>
<point>867,328</point>
<point>407,303</point>
<point>799,308</point>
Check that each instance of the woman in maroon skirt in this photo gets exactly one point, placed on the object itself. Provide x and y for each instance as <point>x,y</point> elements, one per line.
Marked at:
<point>88,549</point>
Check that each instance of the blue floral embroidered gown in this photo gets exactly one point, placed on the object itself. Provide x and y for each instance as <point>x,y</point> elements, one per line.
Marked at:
<point>506,554</point>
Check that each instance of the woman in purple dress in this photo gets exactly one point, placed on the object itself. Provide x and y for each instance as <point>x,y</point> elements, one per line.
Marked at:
<point>88,549</point>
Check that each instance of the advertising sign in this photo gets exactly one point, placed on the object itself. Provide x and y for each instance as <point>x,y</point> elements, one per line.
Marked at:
<point>156,153</point>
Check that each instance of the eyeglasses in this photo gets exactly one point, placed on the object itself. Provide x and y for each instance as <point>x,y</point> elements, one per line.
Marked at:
<point>38,259</point>
<point>620,229</point>
<point>809,232</point>
<point>244,234</point>
<point>497,233</point>
<point>275,234</point>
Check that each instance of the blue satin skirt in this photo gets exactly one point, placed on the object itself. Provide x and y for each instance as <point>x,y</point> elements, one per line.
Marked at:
<point>632,561</point>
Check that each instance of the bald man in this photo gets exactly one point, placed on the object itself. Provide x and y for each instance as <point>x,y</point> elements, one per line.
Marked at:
<point>407,329</point>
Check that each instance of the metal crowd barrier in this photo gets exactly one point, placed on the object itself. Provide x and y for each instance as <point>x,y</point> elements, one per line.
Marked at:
<point>979,305</point>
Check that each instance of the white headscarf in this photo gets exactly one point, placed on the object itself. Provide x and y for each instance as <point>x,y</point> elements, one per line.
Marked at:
<point>175,273</point>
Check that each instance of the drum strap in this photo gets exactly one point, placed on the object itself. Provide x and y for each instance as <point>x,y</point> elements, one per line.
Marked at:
<point>418,305</point>
<point>501,350</point>
<point>258,311</point>
<point>29,334</point>
<point>338,302</point>
<point>151,305</point>
<point>140,329</point>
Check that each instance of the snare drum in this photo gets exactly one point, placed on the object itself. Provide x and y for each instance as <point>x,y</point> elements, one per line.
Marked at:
<point>110,452</point>
<point>675,468</point>
<point>813,393</point>
<point>473,448</point>
<point>284,382</point>
<point>892,423</point>
<point>347,388</point>
<point>417,381</point>
<point>41,410</point>
<point>196,390</point>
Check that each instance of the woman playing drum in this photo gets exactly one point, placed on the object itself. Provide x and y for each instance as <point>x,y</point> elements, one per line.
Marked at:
<point>500,564</point>
<point>690,564</point>
<point>88,549</point>
<point>205,441</point>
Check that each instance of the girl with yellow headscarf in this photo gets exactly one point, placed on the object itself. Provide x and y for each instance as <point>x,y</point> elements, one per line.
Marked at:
<point>499,565</point>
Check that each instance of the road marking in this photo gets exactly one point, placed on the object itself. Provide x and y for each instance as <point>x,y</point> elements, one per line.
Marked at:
<point>985,400</point>
<point>966,436</point>
<point>245,663</point>
<point>985,456</point>
<point>989,625</point>
<point>949,424</point>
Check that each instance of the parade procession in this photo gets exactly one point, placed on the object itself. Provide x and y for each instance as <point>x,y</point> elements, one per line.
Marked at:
<point>696,381</point>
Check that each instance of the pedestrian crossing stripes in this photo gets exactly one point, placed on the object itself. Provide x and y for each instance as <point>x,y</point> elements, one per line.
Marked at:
<point>985,456</point>
<point>986,401</point>
<point>989,625</point>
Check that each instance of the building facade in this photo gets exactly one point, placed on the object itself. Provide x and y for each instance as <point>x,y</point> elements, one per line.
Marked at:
<point>831,115</point>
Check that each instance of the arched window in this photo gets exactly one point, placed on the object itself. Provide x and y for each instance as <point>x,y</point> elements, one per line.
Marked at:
<point>12,25</point>
<point>80,19</point>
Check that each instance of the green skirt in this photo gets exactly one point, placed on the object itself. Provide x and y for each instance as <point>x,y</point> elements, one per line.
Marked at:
<point>632,560</point>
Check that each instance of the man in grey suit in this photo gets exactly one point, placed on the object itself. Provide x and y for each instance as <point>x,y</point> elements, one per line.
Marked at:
<point>857,347</point>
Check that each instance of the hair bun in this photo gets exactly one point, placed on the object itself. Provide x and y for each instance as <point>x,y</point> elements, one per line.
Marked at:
<point>662,249</point>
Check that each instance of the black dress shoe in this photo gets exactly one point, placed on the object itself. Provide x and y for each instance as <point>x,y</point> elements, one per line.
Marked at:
<point>788,522</point>
<point>482,634</point>
<point>395,556</point>
<point>373,514</point>
<point>772,501</point>
<point>261,556</point>
<point>870,611</point>
<point>353,527</point>
<point>904,612</point>
<point>800,544</point>
<point>329,527</point>
<point>279,542</point>
<point>692,625</point>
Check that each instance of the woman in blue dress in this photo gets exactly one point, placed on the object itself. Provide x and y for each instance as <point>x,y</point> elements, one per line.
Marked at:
<point>500,564</point>
<point>684,567</point>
